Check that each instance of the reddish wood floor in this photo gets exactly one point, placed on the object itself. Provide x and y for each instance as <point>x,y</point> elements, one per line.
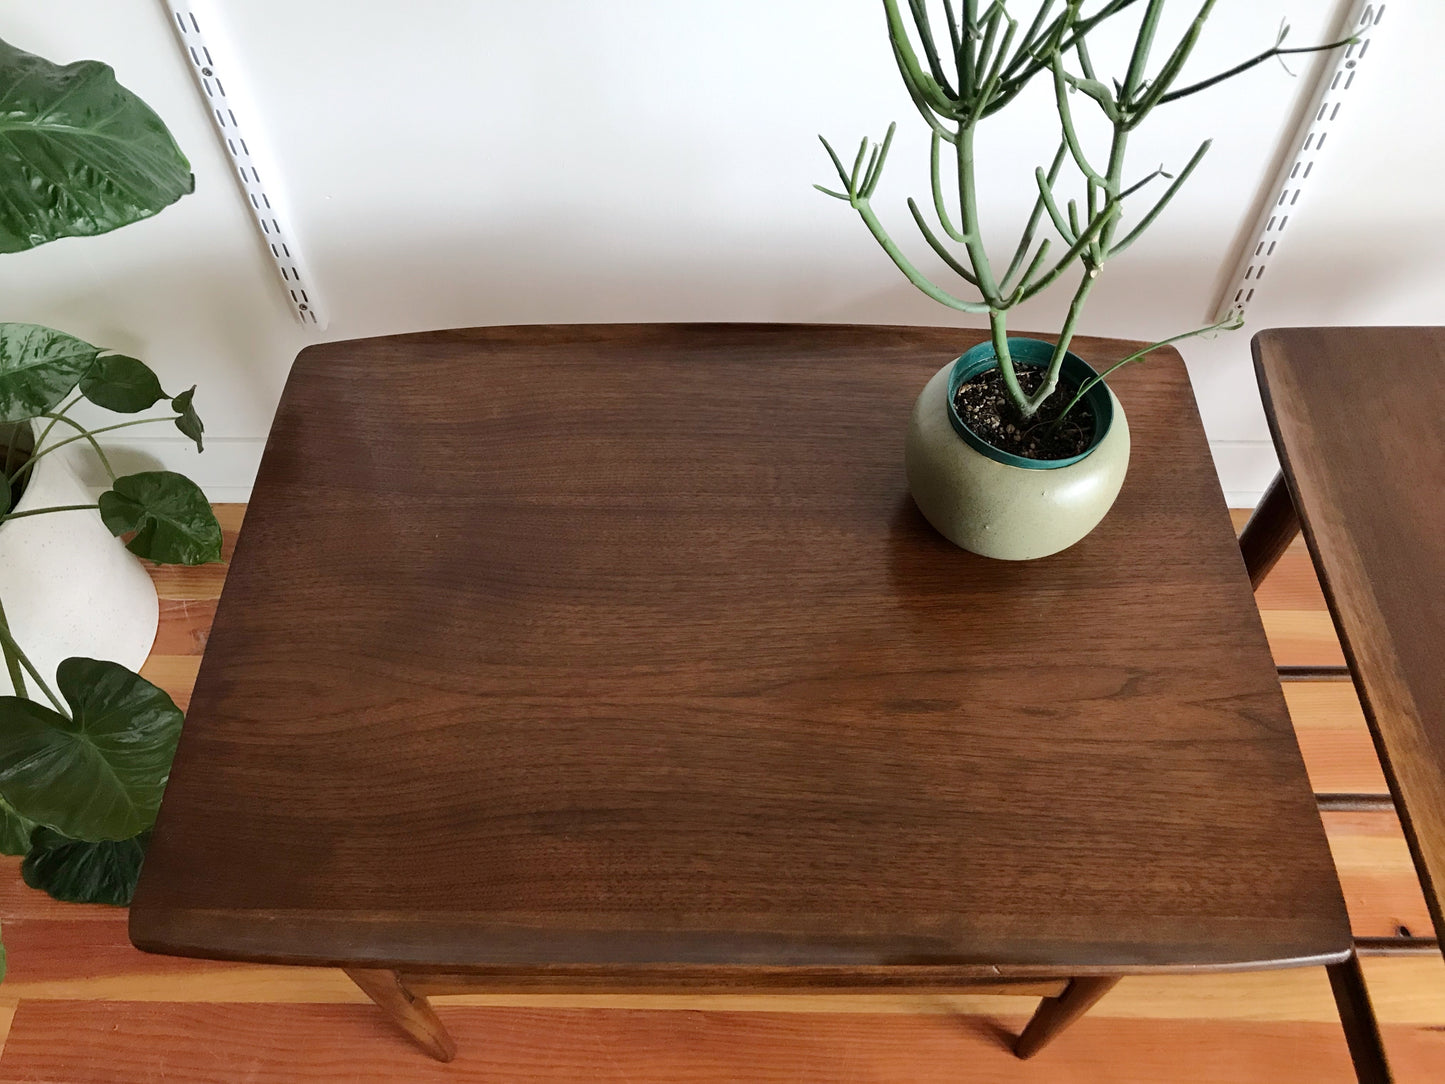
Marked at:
<point>80,1005</point>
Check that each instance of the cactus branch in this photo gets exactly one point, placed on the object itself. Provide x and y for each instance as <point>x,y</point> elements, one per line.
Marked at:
<point>995,73</point>
<point>930,47</point>
<point>1047,196</point>
<point>938,246</point>
<point>1077,249</point>
<point>1173,66</point>
<point>1143,42</point>
<point>1169,193</point>
<point>1137,185</point>
<point>909,271</point>
<point>1231,323</point>
<point>940,205</point>
<point>1238,69</point>
<point>1066,121</point>
<point>1033,224</point>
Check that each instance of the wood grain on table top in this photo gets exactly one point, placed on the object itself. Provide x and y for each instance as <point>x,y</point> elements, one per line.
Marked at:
<point>625,645</point>
<point>1358,416</point>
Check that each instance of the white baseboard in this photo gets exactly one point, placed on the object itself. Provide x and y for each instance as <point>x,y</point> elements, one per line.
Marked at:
<point>225,470</point>
<point>1245,468</point>
<point>228,466</point>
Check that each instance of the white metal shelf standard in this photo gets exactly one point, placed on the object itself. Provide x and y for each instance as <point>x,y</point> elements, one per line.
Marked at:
<point>1361,20</point>
<point>201,35</point>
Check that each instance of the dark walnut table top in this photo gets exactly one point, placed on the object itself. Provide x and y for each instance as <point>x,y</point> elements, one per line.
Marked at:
<point>1358,416</point>
<point>624,646</point>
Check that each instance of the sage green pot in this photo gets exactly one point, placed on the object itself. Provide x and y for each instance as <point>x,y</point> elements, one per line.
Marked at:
<point>1002,505</point>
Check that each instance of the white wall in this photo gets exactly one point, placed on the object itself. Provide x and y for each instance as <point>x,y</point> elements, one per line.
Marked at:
<point>451,163</point>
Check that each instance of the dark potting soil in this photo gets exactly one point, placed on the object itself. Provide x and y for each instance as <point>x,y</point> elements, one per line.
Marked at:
<point>985,407</point>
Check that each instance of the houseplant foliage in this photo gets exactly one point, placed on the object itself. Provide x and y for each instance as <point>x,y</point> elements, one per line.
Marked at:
<point>83,763</point>
<point>973,65</point>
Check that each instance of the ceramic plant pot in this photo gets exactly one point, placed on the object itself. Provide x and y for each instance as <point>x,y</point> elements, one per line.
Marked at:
<point>68,585</point>
<point>1002,505</point>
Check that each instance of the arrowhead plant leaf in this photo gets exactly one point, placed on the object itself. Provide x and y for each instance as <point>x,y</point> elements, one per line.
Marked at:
<point>123,384</point>
<point>39,366</point>
<point>77,871</point>
<point>79,154</point>
<point>188,421</point>
<point>171,518</point>
<point>99,774</point>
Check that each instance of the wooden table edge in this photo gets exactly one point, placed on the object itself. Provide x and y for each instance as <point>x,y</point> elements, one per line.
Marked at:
<point>181,933</point>
<point>1423,866</point>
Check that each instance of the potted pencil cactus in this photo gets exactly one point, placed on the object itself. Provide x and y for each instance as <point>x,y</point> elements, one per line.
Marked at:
<point>1017,449</point>
<point>85,743</point>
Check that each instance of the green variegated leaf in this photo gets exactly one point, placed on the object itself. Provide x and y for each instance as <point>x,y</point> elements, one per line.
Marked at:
<point>39,367</point>
<point>79,154</point>
<point>171,518</point>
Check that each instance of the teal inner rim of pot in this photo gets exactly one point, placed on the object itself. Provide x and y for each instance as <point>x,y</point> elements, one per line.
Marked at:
<point>1036,354</point>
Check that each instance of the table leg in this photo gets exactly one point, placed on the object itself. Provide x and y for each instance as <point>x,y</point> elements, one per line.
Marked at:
<point>1054,1014</point>
<point>1357,1016</point>
<point>1269,532</point>
<point>414,1014</point>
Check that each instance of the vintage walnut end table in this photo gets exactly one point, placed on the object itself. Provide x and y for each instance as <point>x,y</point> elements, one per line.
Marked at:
<point>617,657</point>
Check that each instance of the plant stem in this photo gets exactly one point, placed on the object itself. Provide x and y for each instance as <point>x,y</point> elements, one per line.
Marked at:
<point>1204,84</point>
<point>915,276</point>
<point>42,511</point>
<point>1061,348</point>
<point>13,649</point>
<point>1230,324</point>
<point>968,212</point>
<point>55,416</point>
<point>85,435</point>
<point>998,326</point>
<point>12,660</point>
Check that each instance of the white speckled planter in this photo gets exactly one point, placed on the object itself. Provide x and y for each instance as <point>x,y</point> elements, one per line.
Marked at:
<point>1004,506</point>
<point>68,585</point>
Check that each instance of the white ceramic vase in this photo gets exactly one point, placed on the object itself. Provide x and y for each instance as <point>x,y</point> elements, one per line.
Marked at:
<point>70,587</point>
<point>1003,506</point>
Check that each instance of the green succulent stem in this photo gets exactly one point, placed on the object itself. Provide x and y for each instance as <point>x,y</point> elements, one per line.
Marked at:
<point>1231,323</point>
<point>991,64</point>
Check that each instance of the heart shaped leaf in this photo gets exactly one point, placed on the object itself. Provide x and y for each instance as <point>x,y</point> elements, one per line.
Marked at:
<point>79,154</point>
<point>188,421</point>
<point>39,366</point>
<point>14,830</point>
<point>171,518</point>
<point>98,775</point>
<point>123,384</point>
<point>77,871</point>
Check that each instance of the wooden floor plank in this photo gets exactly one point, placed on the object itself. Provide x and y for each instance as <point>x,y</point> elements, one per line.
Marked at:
<point>1302,638</point>
<point>129,1042</point>
<point>173,582</point>
<point>184,626</point>
<point>1333,737</point>
<point>176,674</point>
<point>1378,875</point>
